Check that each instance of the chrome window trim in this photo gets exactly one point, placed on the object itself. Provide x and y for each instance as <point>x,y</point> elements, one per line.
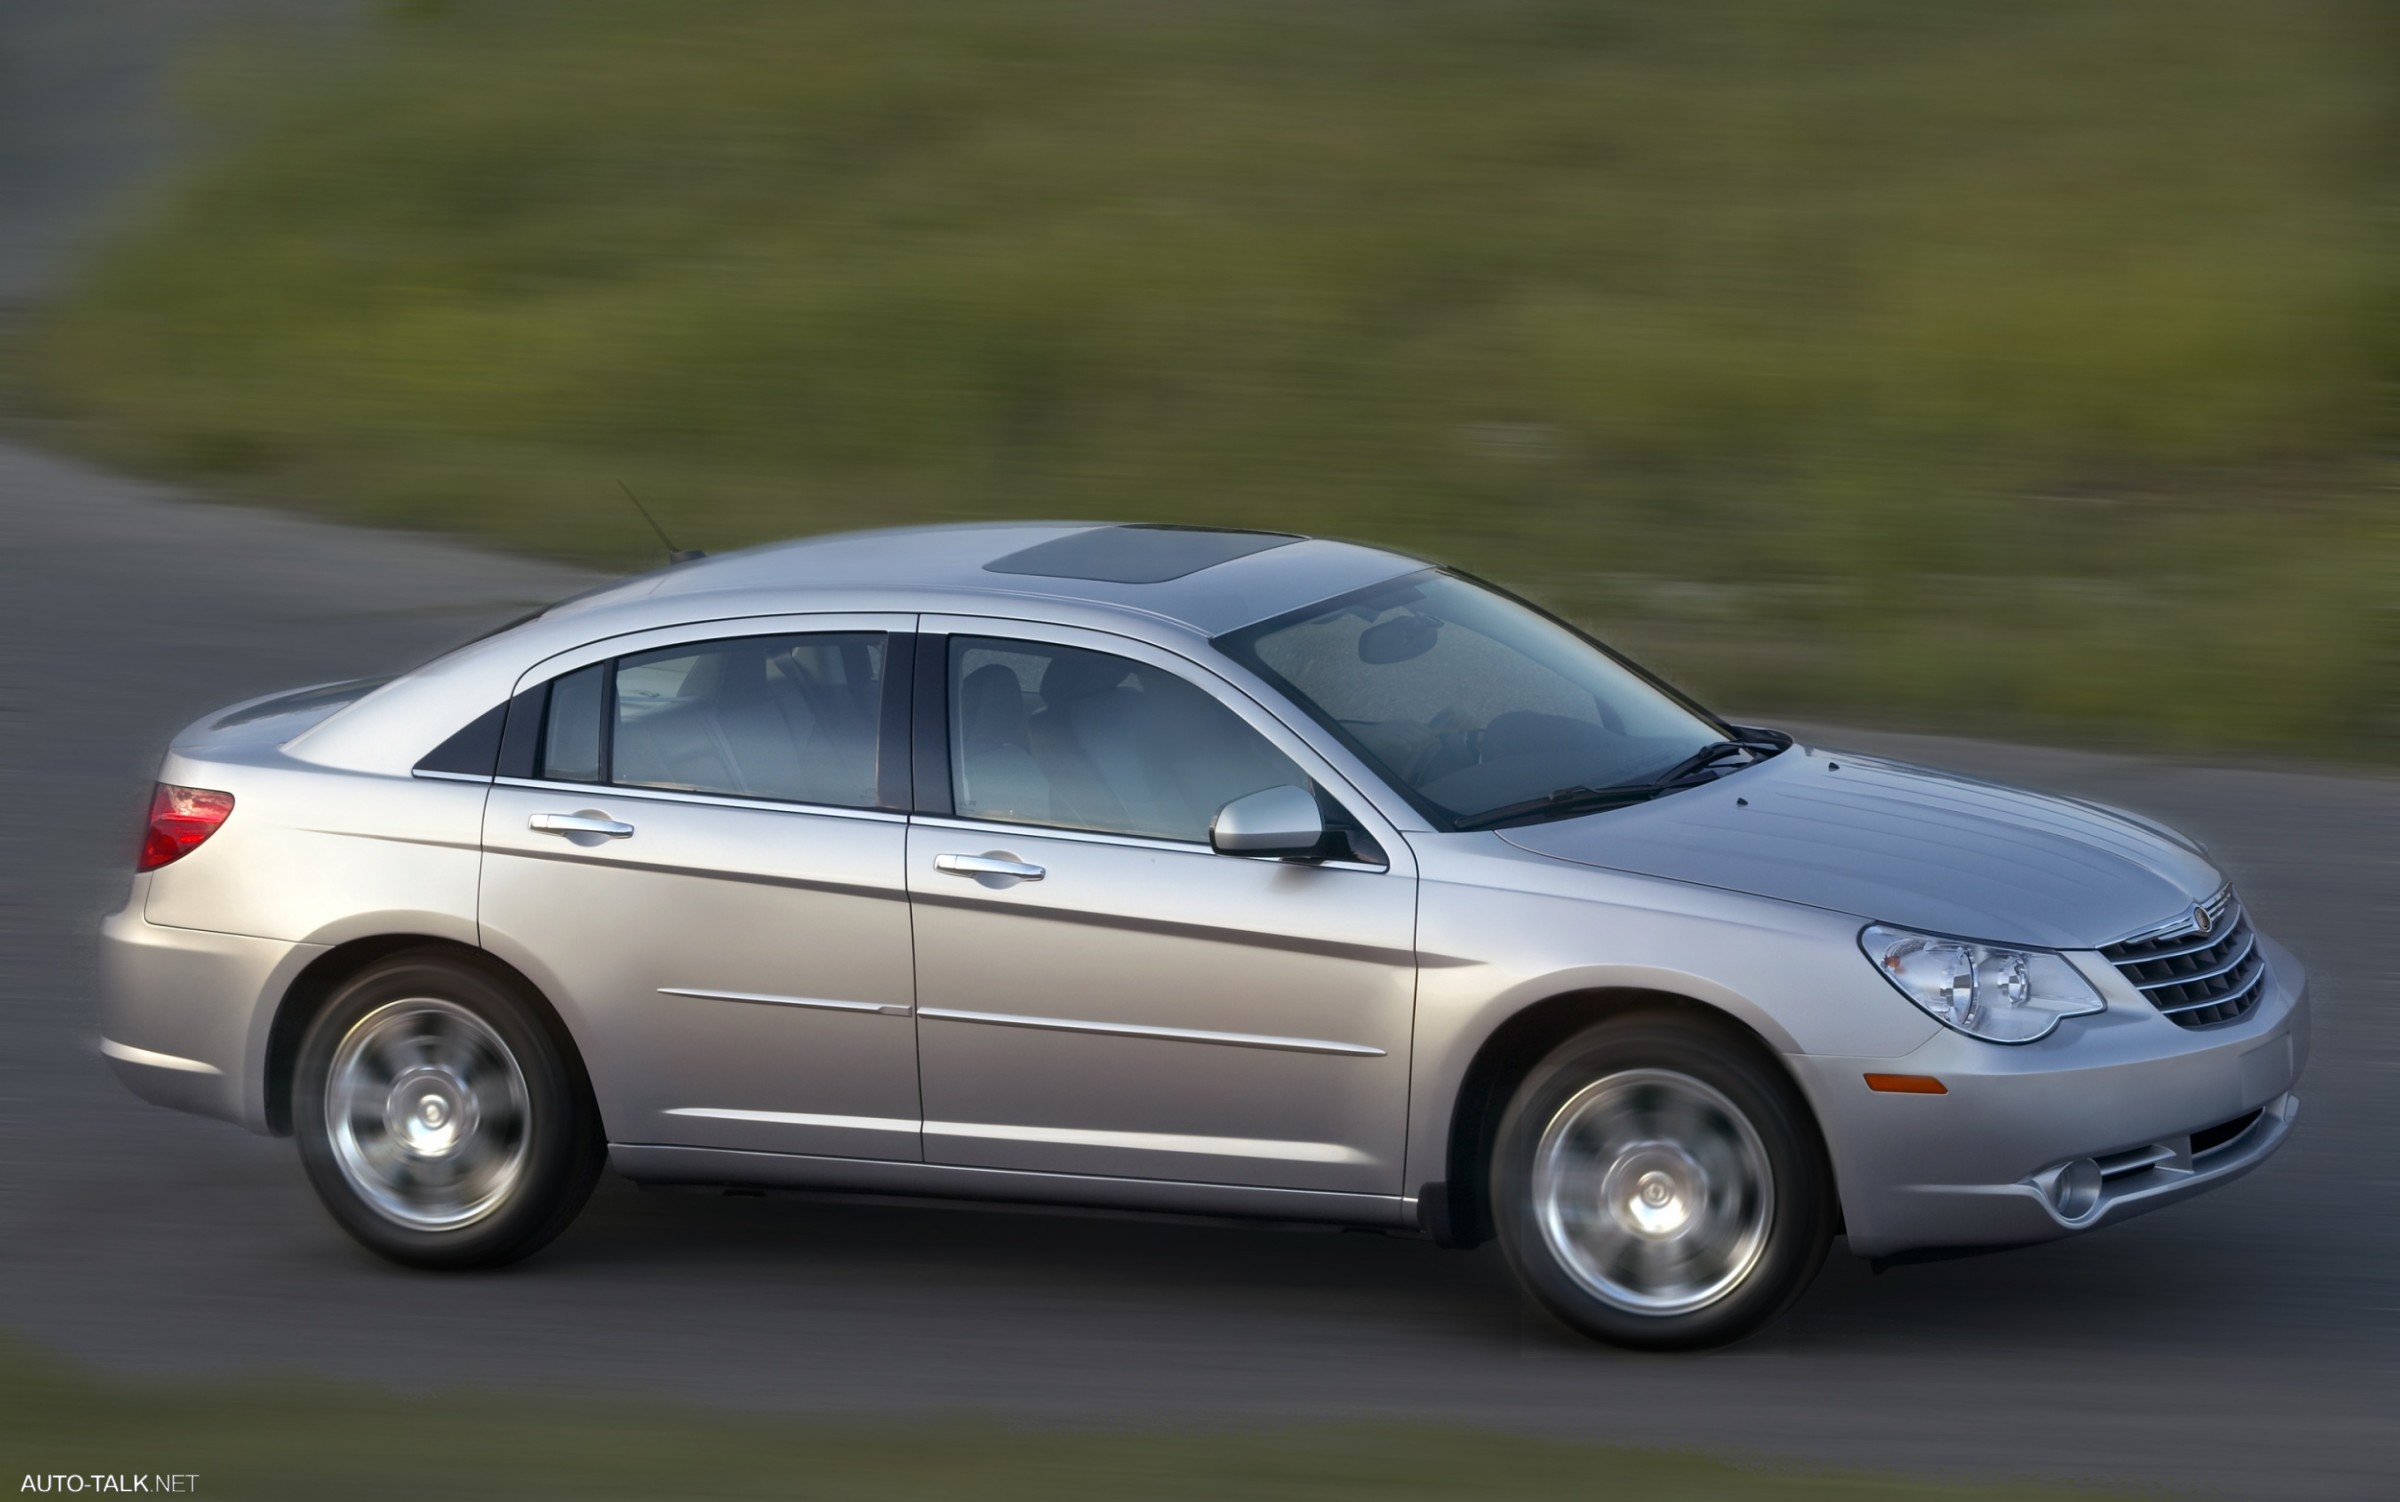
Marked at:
<point>1162,1034</point>
<point>717,628</point>
<point>613,790</point>
<point>452,777</point>
<point>768,998</point>
<point>1000,830</point>
<point>890,624</point>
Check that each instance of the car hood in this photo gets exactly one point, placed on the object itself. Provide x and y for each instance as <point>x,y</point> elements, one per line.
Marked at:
<point>1903,845</point>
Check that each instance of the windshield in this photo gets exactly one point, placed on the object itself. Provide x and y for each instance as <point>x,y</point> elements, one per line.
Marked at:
<point>1469,701</point>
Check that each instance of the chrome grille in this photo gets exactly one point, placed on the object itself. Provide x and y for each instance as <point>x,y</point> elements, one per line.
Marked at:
<point>2197,978</point>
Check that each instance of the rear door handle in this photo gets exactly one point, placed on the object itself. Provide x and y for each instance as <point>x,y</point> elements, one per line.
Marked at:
<point>586,823</point>
<point>987,865</point>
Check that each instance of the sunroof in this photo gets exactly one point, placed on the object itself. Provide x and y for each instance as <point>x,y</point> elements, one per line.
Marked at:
<point>1137,554</point>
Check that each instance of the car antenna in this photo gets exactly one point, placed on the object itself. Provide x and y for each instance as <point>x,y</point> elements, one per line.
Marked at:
<point>675,554</point>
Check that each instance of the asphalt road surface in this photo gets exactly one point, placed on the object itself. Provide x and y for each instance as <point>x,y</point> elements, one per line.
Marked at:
<point>2244,1344</point>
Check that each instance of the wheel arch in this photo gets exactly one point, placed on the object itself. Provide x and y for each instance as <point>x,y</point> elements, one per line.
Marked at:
<point>323,976</point>
<point>1462,1217</point>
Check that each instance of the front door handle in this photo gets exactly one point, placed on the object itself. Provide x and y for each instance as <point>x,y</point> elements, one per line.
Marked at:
<point>987,865</point>
<point>583,823</point>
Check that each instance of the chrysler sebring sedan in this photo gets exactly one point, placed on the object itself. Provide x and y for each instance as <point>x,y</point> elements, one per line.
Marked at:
<point>1183,870</point>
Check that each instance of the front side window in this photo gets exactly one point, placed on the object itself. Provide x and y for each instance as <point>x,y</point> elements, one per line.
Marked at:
<point>789,718</point>
<point>1043,734</point>
<point>1470,701</point>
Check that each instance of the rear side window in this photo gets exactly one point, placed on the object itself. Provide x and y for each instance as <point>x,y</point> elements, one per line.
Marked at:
<point>794,718</point>
<point>790,718</point>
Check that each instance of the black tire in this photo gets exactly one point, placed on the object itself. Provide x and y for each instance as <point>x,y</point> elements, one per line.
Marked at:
<point>440,1119</point>
<point>1658,1183</point>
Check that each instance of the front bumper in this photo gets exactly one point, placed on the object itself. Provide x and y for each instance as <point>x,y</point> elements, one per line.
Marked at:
<point>184,1013</point>
<point>1999,1159</point>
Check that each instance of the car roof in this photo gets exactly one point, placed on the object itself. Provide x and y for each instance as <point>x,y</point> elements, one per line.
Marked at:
<point>1163,584</point>
<point>1209,580</point>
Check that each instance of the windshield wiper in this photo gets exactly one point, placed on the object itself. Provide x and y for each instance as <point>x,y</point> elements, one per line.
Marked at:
<point>1564,801</point>
<point>1572,800</point>
<point>1706,756</point>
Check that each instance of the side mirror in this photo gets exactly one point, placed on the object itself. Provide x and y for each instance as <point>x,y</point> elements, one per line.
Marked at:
<point>1281,821</point>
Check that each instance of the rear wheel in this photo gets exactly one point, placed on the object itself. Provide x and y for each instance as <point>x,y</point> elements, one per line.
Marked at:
<point>1658,1184</point>
<point>439,1120</point>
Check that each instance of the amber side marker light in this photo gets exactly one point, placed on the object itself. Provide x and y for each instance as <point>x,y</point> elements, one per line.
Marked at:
<point>1907,1084</point>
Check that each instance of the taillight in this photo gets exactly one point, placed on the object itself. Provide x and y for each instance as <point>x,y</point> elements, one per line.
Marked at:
<point>180,819</point>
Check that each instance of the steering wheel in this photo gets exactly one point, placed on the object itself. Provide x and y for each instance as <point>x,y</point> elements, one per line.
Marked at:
<point>1461,740</point>
<point>1420,751</point>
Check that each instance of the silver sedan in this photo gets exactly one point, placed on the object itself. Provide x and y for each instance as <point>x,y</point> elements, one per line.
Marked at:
<point>1185,870</point>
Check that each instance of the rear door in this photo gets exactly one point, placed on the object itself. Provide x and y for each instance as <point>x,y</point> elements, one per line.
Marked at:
<point>698,845</point>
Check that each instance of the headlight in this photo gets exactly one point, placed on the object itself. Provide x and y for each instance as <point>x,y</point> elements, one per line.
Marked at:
<point>1983,990</point>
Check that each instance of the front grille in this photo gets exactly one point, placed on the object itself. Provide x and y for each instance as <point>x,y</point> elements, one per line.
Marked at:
<point>2198,979</point>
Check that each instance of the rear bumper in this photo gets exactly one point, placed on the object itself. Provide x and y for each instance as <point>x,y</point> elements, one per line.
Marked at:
<point>1988,1163</point>
<point>184,1014</point>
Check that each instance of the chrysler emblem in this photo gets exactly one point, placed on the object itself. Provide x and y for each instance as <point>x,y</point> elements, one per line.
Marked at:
<point>2200,920</point>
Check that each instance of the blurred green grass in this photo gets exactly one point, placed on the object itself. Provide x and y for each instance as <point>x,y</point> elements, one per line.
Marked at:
<point>262,1440</point>
<point>2024,369</point>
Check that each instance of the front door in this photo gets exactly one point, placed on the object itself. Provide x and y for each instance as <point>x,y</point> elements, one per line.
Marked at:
<point>705,866</point>
<point>1100,993</point>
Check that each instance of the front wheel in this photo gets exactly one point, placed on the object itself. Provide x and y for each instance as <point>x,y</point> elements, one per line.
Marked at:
<point>439,1120</point>
<point>1657,1184</point>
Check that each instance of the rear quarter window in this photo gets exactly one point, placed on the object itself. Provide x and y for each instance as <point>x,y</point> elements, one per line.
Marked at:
<point>474,751</point>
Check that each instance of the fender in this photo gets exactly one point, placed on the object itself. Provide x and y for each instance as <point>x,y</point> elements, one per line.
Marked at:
<point>1502,931</point>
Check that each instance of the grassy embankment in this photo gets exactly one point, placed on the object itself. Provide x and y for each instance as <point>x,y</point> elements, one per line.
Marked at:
<point>2022,368</point>
<point>258,1441</point>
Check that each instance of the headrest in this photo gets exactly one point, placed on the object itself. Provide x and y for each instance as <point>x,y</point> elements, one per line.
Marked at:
<point>1074,675</point>
<point>991,708</point>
